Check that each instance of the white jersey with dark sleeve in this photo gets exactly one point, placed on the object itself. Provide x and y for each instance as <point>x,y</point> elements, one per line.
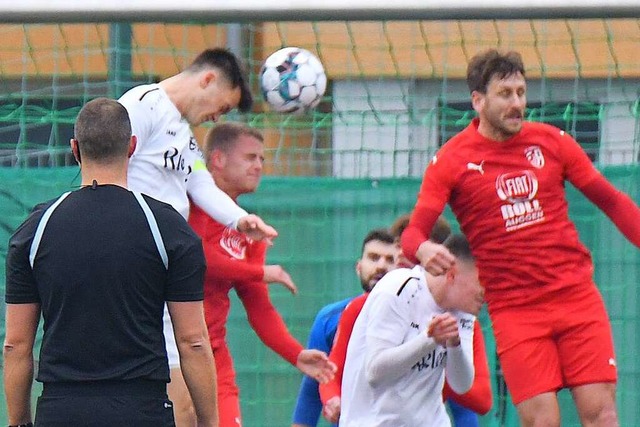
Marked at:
<point>167,163</point>
<point>394,373</point>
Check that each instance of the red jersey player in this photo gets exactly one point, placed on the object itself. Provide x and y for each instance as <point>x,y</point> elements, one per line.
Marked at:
<point>234,156</point>
<point>504,180</point>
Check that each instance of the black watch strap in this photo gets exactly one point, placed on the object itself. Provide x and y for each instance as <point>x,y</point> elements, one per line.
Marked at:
<point>29,424</point>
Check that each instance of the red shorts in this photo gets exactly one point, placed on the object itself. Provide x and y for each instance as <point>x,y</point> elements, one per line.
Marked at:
<point>228,399</point>
<point>561,343</point>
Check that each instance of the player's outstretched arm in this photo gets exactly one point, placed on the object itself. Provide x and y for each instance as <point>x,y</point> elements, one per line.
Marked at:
<point>277,274</point>
<point>316,364</point>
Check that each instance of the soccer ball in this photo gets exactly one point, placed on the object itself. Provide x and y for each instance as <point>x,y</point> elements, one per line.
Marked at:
<point>292,80</point>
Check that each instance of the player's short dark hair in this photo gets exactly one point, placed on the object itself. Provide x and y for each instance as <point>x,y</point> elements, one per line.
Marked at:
<point>232,69</point>
<point>485,65</point>
<point>378,234</point>
<point>459,247</point>
<point>440,231</point>
<point>224,136</point>
<point>103,130</point>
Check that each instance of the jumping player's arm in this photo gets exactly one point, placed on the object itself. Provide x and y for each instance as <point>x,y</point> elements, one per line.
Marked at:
<point>266,321</point>
<point>432,198</point>
<point>479,398</point>
<point>618,206</point>
<point>204,192</point>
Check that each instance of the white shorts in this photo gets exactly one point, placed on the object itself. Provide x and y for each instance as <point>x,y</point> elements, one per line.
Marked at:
<point>170,340</point>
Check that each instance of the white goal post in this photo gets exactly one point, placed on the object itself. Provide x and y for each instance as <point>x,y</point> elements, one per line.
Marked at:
<point>316,10</point>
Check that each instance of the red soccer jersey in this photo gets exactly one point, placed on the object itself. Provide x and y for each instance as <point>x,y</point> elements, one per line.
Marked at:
<point>509,199</point>
<point>236,261</point>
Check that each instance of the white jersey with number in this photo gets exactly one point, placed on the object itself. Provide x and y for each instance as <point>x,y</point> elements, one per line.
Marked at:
<point>405,390</point>
<point>167,163</point>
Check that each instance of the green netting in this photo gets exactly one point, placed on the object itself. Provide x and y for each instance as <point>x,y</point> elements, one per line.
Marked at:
<point>322,222</point>
<point>394,86</point>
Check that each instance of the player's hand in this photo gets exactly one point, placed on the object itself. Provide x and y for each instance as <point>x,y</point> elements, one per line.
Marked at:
<point>331,410</point>
<point>277,274</point>
<point>316,364</point>
<point>443,328</point>
<point>434,257</point>
<point>254,227</point>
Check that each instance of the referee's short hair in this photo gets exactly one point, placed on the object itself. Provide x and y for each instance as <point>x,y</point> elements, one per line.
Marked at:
<point>103,131</point>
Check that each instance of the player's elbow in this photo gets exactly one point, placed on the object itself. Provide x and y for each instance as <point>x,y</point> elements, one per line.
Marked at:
<point>371,374</point>
<point>195,342</point>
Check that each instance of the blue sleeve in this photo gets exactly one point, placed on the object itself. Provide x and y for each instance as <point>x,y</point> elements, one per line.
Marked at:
<point>461,416</point>
<point>308,405</point>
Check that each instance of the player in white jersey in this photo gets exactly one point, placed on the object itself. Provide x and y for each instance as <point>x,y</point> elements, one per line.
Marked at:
<point>408,337</point>
<point>168,165</point>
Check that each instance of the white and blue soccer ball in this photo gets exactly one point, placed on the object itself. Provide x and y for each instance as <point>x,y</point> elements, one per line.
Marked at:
<point>292,80</point>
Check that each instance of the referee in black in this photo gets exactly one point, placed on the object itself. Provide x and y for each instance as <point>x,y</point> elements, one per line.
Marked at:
<point>99,263</point>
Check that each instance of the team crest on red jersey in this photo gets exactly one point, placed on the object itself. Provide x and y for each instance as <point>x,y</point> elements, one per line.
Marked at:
<point>534,155</point>
<point>234,243</point>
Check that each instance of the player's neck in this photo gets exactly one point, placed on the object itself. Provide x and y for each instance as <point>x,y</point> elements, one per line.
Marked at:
<point>437,288</point>
<point>176,87</point>
<point>226,187</point>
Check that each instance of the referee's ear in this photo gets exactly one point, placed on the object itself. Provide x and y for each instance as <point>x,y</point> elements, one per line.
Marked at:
<point>75,149</point>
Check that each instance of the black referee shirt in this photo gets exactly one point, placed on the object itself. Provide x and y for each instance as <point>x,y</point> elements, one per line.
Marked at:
<point>102,283</point>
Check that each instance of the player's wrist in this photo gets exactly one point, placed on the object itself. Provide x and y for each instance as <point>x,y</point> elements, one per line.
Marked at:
<point>28,424</point>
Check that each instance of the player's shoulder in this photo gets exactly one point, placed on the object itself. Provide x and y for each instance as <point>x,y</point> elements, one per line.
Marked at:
<point>458,147</point>
<point>396,281</point>
<point>544,130</point>
<point>333,309</point>
<point>28,227</point>
<point>142,95</point>
<point>166,215</point>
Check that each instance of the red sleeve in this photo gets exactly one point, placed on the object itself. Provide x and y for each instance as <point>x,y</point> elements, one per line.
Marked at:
<point>223,267</point>
<point>263,316</point>
<point>435,190</point>
<point>338,352</point>
<point>578,168</point>
<point>479,398</point>
<point>418,231</point>
<point>618,206</point>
